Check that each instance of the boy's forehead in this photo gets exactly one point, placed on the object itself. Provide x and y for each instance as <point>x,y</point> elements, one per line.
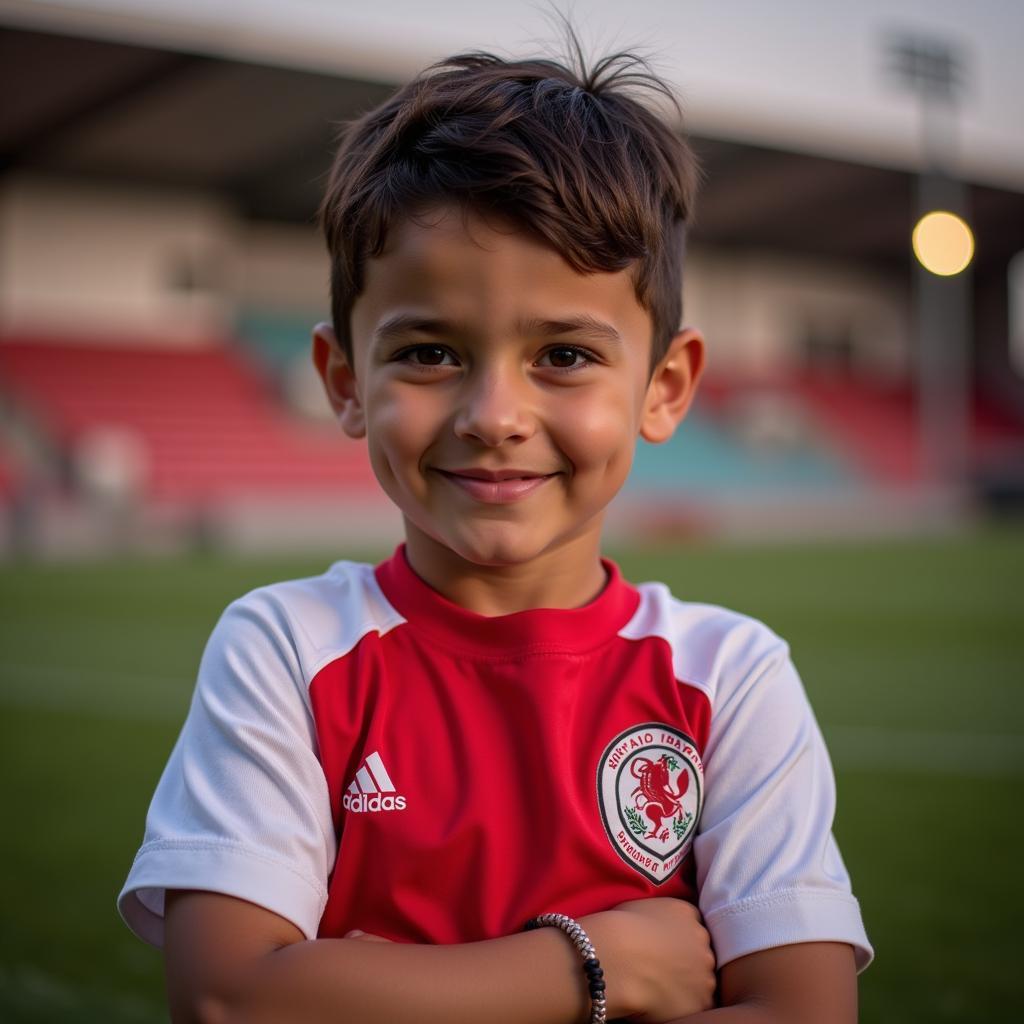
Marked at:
<point>429,225</point>
<point>453,265</point>
<point>452,241</point>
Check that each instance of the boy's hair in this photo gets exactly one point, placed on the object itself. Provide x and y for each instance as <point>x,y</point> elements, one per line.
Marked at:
<point>565,153</point>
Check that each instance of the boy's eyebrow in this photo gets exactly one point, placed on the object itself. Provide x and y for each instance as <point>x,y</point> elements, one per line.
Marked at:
<point>583,323</point>
<point>405,323</point>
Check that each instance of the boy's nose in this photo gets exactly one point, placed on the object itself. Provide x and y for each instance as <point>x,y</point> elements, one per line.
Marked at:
<point>493,409</point>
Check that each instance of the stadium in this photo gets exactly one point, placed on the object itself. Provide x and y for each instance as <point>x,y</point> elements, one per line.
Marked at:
<point>852,472</point>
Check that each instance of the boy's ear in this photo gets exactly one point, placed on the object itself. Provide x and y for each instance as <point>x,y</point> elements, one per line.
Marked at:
<point>673,385</point>
<point>339,380</point>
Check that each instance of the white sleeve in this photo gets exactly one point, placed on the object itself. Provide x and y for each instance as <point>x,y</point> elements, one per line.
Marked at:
<point>769,872</point>
<point>242,806</point>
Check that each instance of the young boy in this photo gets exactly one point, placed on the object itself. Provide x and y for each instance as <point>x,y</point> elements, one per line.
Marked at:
<point>387,770</point>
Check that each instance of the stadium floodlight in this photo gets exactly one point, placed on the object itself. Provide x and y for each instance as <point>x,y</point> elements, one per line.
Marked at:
<point>943,243</point>
<point>930,67</point>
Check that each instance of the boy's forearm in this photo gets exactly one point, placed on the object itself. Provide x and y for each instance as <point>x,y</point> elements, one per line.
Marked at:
<point>742,1014</point>
<point>754,1013</point>
<point>528,978</point>
<point>534,978</point>
<point>803,983</point>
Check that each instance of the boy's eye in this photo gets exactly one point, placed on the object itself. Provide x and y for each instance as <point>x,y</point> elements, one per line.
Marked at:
<point>424,355</point>
<point>568,357</point>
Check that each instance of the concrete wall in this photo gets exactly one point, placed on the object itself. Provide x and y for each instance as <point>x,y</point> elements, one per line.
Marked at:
<point>757,309</point>
<point>82,259</point>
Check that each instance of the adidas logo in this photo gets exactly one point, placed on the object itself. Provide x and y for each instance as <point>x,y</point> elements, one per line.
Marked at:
<point>371,789</point>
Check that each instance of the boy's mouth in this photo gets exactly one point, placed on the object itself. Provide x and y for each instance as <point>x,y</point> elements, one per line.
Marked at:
<point>494,475</point>
<point>496,486</point>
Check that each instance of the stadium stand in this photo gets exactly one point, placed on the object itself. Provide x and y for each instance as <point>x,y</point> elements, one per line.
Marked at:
<point>875,425</point>
<point>869,427</point>
<point>706,457</point>
<point>206,420</point>
<point>9,474</point>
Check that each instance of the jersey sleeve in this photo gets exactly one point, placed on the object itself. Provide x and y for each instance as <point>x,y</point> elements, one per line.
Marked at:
<point>242,806</point>
<point>769,872</point>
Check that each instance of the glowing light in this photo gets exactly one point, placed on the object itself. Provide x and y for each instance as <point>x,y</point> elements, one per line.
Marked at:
<point>943,243</point>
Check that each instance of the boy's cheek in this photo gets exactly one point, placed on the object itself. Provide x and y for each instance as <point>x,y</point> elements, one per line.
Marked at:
<point>407,420</point>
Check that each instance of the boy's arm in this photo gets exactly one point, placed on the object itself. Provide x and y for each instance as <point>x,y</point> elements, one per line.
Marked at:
<point>228,960</point>
<point>773,888</point>
<point>769,873</point>
<point>806,983</point>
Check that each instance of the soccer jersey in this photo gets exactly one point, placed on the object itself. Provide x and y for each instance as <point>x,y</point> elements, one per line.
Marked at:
<point>362,753</point>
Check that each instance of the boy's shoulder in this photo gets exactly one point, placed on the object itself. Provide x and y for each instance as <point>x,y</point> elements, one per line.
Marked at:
<point>710,643</point>
<point>313,617</point>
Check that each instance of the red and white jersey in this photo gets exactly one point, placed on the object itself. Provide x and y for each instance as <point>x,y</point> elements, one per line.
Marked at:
<point>362,753</point>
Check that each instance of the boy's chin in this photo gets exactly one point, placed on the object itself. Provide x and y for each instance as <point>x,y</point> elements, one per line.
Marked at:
<point>495,552</point>
<point>505,546</point>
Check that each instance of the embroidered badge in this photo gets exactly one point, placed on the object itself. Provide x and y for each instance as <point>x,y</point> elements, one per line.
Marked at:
<point>650,788</point>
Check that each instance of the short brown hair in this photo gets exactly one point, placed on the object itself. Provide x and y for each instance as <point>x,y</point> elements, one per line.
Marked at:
<point>567,153</point>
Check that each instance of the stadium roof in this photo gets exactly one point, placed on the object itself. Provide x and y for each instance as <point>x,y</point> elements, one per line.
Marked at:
<point>803,75</point>
<point>107,106</point>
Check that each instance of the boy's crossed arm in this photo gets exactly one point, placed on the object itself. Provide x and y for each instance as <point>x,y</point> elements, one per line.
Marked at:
<point>805,983</point>
<point>228,960</point>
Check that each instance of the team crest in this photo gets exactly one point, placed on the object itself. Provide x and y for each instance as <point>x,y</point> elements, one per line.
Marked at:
<point>650,787</point>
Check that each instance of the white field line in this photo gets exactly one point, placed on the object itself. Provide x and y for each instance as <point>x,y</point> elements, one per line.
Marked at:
<point>65,673</point>
<point>878,749</point>
<point>869,749</point>
<point>94,691</point>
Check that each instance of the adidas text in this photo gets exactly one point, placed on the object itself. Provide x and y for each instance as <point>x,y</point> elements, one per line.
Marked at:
<point>365,802</point>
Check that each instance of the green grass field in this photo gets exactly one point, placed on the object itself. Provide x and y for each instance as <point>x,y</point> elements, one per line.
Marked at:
<point>911,652</point>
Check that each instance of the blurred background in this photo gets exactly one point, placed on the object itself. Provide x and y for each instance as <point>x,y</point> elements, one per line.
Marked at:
<point>853,471</point>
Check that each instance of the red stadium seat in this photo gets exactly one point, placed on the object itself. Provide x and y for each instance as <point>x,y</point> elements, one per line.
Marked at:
<point>207,420</point>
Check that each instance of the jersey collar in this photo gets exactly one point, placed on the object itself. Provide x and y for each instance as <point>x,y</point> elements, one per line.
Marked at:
<point>571,630</point>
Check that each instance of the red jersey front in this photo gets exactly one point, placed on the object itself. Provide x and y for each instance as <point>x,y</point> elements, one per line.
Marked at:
<point>495,734</point>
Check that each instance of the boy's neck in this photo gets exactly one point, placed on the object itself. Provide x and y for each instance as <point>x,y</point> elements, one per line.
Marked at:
<point>570,577</point>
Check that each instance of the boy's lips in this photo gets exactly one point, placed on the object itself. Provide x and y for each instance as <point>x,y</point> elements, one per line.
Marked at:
<point>496,486</point>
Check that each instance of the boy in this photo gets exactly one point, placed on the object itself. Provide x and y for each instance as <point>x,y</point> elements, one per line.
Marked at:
<point>387,770</point>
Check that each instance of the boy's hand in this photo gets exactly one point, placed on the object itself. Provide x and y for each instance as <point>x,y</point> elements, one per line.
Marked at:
<point>365,936</point>
<point>658,954</point>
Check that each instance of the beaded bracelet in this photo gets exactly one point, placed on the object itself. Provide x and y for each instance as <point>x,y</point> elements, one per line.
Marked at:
<point>591,965</point>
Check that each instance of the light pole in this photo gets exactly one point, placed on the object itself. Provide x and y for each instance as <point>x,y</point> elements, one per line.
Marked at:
<point>943,246</point>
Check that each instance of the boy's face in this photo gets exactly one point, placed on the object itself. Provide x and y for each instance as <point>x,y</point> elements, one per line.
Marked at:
<point>501,392</point>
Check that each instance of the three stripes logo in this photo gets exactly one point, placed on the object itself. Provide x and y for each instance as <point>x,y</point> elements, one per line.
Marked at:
<point>372,789</point>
